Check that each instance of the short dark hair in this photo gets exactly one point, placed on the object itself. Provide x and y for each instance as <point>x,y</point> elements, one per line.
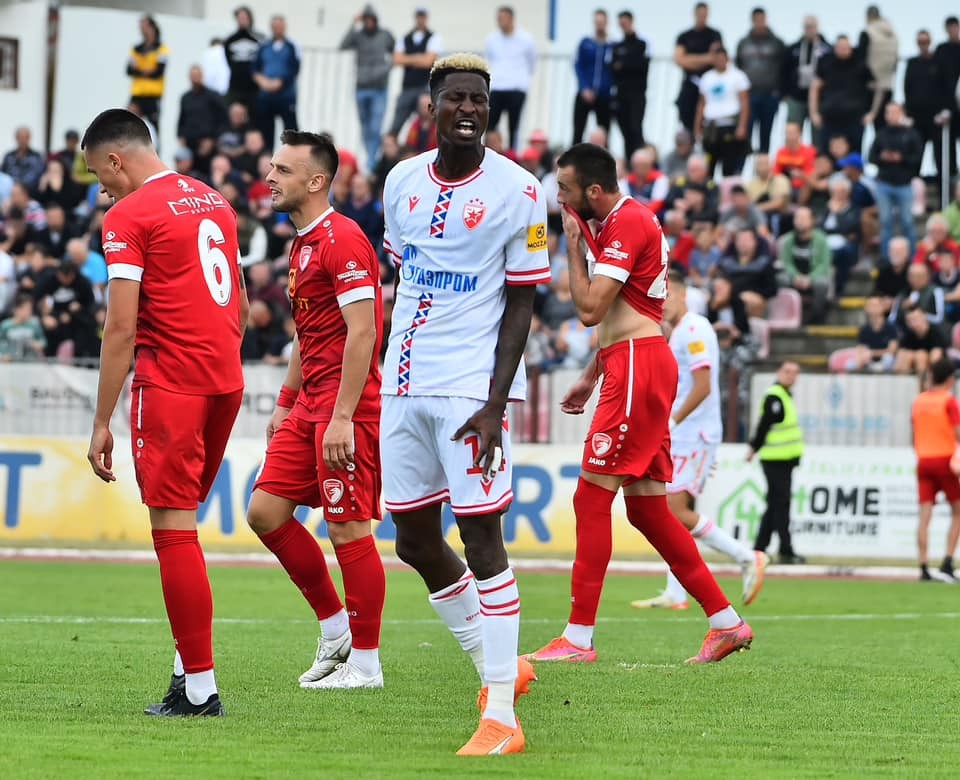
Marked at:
<point>950,20</point>
<point>115,125</point>
<point>505,9</point>
<point>154,26</point>
<point>21,299</point>
<point>698,6</point>
<point>738,189</point>
<point>243,9</point>
<point>628,14</point>
<point>942,370</point>
<point>322,148</point>
<point>593,164</point>
<point>600,11</point>
<point>758,10</point>
<point>676,276</point>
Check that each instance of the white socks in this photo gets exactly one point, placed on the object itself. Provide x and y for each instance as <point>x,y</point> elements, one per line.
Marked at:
<point>366,661</point>
<point>500,632</point>
<point>725,618</point>
<point>458,606</point>
<point>177,664</point>
<point>335,625</point>
<point>200,686</point>
<point>717,539</point>
<point>674,589</point>
<point>579,636</point>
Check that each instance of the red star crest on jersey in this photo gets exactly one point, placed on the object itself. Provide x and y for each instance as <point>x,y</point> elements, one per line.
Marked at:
<point>531,192</point>
<point>473,213</point>
<point>413,200</point>
<point>305,254</point>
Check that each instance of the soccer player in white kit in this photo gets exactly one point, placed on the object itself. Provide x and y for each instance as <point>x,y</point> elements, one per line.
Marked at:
<point>696,430</point>
<point>466,228</point>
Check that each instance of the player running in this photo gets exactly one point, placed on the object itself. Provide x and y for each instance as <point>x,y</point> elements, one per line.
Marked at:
<point>467,230</point>
<point>696,430</point>
<point>628,444</point>
<point>177,304</point>
<point>323,445</point>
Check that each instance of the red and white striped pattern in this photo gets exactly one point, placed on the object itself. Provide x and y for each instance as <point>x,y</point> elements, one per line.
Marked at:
<point>501,600</point>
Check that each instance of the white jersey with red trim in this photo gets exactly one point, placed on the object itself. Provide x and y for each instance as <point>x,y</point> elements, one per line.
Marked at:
<point>457,245</point>
<point>694,345</point>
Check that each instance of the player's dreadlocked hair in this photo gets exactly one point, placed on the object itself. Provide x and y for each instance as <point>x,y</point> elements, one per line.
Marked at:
<point>457,63</point>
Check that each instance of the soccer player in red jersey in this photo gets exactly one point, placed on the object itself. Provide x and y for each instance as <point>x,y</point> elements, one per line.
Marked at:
<point>177,305</point>
<point>621,289</point>
<point>323,438</point>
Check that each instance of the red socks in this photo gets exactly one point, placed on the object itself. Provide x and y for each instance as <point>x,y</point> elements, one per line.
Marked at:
<point>652,517</point>
<point>300,554</point>
<point>186,593</point>
<point>365,586</point>
<point>592,505</point>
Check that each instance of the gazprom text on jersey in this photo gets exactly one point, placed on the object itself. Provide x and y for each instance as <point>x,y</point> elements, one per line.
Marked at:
<point>438,280</point>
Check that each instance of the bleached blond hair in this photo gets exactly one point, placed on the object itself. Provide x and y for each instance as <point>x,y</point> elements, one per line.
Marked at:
<point>460,62</point>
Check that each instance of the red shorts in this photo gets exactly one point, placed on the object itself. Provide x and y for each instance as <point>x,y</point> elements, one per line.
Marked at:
<point>630,433</point>
<point>934,476</point>
<point>178,443</point>
<point>294,469</point>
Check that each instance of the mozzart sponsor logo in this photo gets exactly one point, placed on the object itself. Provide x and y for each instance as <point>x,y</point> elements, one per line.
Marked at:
<point>197,204</point>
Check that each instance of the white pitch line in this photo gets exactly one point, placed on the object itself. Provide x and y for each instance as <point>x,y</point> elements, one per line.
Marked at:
<point>562,565</point>
<point>108,619</point>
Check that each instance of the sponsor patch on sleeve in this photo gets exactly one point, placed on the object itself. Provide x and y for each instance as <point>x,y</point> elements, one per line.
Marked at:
<point>696,347</point>
<point>537,237</point>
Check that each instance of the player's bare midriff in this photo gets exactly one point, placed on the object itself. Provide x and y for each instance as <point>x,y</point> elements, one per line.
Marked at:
<point>623,322</point>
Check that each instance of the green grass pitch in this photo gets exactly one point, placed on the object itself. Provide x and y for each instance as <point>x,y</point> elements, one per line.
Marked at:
<point>845,679</point>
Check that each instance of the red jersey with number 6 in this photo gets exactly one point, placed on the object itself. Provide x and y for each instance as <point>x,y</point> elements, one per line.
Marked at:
<point>333,265</point>
<point>634,251</point>
<point>177,237</point>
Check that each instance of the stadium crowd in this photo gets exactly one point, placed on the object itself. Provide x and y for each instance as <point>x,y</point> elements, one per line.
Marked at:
<point>746,215</point>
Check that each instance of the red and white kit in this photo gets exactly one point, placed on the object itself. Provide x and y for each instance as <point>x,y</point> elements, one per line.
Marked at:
<point>177,237</point>
<point>332,265</point>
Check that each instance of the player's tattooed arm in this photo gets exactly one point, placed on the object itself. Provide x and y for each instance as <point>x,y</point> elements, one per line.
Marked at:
<point>511,341</point>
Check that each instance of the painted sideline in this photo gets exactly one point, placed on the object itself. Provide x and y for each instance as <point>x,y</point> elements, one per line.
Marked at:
<point>542,565</point>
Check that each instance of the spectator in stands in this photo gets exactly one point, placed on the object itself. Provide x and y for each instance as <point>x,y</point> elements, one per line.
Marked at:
<point>511,53</point>
<point>389,157</point>
<point>697,175</point>
<point>422,135</point>
<point>275,69</point>
<point>750,268</point>
<point>66,302</point>
<point>134,108</point>
<point>800,68</point>
<point>68,155</point>
<point>21,336</point>
<point>576,343</point>
<point>280,350</point>
<point>742,214</point>
<point>31,212</point>
<point>263,328</point>
<point>263,287</point>
<point>761,55</point>
<point>594,78</point>
<point>771,193</point>
<point>920,344</point>
<point>415,53</point>
<point>694,54</point>
<point>13,234</point>
<point>862,187</point>
<point>252,239</point>
<point>241,52</point>
<point>203,117</point>
<point>842,100</point>
<point>841,223</point>
<point>230,141</point>
<point>952,215</point>
<point>222,174</point>
<point>146,66</point>
<point>248,161</point>
<point>679,239</point>
<point>374,47</point>
<point>878,48</point>
<point>948,61</point>
<point>937,238</point>
<point>57,186</point>
<point>723,114</point>
<point>630,67</point>
<point>806,261</point>
<point>539,350</point>
<point>697,206</point>
<point>738,347</point>
<point>183,163</point>
<point>558,306</point>
<point>877,340</point>
<point>645,183</point>
<point>215,68</point>
<point>366,210</point>
<point>896,152</point>
<point>922,294</point>
<point>56,233</point>
<point>891,279</point>
<point>6,187</point>
<point>947,278</point>
<point>704,257</point>
<point>795,158</point>
<point>924,97</point>
<point>8,279</point>
<point>90,264</point>
<point>674,164</point>
<point>23,164</point>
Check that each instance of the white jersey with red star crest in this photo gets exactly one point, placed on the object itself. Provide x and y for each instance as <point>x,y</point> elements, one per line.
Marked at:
<point>694,345</point>
<point>457,245</point>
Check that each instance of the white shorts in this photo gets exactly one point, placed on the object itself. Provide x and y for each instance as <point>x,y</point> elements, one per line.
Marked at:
<point>422,466</point>
<point>692,461</point>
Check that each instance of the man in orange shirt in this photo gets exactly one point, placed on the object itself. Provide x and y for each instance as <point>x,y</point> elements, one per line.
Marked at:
<point>795,158</point>
<point>936,433</point>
